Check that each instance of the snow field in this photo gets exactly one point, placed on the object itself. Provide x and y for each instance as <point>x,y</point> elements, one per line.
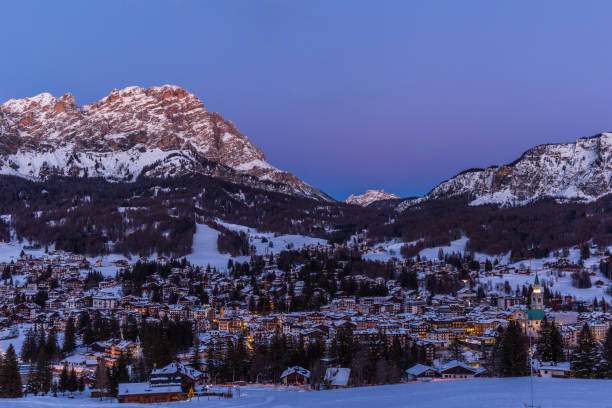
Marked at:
<point>485,393</point>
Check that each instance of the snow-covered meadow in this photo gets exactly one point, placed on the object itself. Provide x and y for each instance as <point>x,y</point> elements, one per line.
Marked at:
<point>486,393</point>
<point>262,240</point>
<point>561,283</point>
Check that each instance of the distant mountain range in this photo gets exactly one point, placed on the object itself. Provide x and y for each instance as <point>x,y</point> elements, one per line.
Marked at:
<point>166,131</point>
<point>369,197</point>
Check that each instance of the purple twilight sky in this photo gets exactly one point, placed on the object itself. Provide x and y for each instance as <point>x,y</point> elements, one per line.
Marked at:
<point>348,95</point>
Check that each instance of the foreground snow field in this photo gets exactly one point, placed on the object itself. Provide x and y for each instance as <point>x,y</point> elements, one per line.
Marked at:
<point>490,393</point>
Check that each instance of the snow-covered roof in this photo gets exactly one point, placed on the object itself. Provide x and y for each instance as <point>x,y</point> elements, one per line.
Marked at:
<point>560,366</point>
<point>455,363</point>
<point>418,369</point>
<point>177,368</point>
<point>145,388</point>
<point>296,370</point>
<point>337,376</point>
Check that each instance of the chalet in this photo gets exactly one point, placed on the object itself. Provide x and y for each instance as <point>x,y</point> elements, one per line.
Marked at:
<point>81,364</point>
<point>175,373</point>
<point>456,369</point>
<point>555,370</point>
<point>121,263</point>
<point>114,349</point>
<point>420,372</point>
<point>145,393</point>
<point>295,375</point>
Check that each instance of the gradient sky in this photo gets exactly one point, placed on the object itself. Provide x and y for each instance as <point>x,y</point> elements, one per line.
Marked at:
<point>347,95</point>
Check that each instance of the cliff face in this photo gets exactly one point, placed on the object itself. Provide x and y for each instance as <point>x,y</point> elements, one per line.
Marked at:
<point>156,132</point>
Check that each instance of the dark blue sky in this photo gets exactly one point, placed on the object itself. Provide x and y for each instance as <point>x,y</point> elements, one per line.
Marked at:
<point>348,95</point>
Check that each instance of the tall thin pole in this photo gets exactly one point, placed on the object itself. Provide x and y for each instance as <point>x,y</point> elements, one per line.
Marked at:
<point>531,371</point>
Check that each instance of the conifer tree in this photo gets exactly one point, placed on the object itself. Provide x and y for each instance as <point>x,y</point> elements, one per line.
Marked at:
<point>212,361</point>
<point>32,386</point>
<point>44,374</point>
<point>29,346</point>
<point>396,353</point>
<point>120,370</point>
<point>195,356</point>
<point>83,321</point>
<point>607,354</point>
<point>73,381</point>
<point>119,374</point>
<point>139,371</point>
<point>456,350</point>
<point>51,348</point>
<point>556,344</point>
<point>543,347</point>
<point>2,378</point>
<point>512,352</point>
<point>69,336</point>
<point>10,385</point>
<point>63,379</point>
<point>101,383</point>
<point>344,346</point>
<point>585,359</point>
<point>89,335</point>
<point>113,383</point>
<point>81,384</point>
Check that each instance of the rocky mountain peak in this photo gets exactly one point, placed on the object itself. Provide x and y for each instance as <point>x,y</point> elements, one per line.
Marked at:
<point>369,197</point>
<point>158,131</point>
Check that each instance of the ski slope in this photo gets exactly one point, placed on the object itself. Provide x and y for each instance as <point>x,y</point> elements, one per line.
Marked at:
<point>205,251</point>
<point>262,240</point>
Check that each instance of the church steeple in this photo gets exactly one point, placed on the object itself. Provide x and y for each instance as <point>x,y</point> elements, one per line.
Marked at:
<point>537,300</point>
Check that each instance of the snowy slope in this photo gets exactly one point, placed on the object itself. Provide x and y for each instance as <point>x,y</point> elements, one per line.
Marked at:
<point>270,243</point>
<point>568,171</point>
<point>498,393</point>
<point>205,252</point>
<point>561,283</point>
<point>17,342</point>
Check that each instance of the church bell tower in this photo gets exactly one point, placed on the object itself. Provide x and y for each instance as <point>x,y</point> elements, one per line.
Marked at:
<point>537,299</point>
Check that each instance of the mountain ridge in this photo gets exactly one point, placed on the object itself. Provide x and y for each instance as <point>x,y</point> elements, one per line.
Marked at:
<point>579,170</point>
<point>155,132</point>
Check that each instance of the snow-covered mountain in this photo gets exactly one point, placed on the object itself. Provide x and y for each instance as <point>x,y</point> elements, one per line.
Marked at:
<point>369,197</point>
<point>157,132</point>
<point>566,171</point>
